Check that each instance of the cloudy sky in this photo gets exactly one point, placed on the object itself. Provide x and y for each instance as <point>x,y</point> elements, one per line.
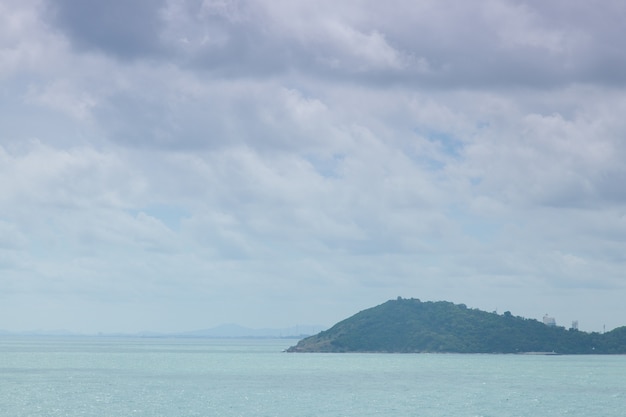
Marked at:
<point>177,164</point>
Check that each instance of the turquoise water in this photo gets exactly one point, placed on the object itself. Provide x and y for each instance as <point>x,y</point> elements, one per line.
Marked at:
<point>203,377</point>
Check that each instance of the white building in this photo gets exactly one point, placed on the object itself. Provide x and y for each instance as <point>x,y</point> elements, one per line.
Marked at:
<point>549,321</point>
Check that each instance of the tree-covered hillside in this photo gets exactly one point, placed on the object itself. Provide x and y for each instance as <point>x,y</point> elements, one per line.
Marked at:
<point>409,325</point>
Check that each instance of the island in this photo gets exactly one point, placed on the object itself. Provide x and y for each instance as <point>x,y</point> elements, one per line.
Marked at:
<point>412,326</point>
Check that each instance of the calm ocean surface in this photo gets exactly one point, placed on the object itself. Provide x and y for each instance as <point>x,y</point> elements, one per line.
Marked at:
<point>103,377</point>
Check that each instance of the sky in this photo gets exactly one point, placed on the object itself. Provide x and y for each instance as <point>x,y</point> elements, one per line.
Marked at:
<point>178,164</point>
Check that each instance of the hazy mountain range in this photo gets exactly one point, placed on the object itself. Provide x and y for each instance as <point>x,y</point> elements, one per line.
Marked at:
<point>221,331</point>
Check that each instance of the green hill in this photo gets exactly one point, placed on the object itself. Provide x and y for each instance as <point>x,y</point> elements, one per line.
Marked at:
<point>409,325</point>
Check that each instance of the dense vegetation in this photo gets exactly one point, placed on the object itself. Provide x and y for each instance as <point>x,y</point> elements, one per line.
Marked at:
<point>409,325</point>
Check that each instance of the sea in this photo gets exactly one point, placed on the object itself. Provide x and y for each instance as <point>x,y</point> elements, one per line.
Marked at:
<point>178,377</point>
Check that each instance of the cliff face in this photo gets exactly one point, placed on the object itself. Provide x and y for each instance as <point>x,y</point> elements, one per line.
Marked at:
<point>409,325</point>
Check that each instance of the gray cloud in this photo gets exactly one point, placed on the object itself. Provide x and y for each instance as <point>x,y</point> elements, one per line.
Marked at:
<point>120,28</point>
<point>425,44</point>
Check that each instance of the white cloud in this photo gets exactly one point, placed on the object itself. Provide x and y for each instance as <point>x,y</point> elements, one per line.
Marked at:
<point>20,31</point>
<point>62,96</point>
<point>11,237</point>
<point>84,178</point>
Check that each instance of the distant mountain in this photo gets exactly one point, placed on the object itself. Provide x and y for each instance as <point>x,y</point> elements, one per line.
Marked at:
<point>59,332</point>
<point>222,331</point>
<point>236,331</point>
<point>409,325</point>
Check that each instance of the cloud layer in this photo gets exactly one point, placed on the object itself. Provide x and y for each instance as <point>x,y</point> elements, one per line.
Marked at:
<point>179,164</point>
